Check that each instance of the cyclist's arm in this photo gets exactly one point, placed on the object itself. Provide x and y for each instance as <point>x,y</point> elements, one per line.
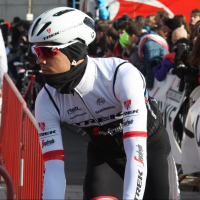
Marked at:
<point>129,90</point>
<point>48,122</point>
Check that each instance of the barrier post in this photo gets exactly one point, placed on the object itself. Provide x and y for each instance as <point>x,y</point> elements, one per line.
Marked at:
<point>32,162</point>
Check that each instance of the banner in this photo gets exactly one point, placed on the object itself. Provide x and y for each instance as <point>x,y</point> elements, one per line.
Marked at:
<point>169,102</point>
<point>191,139</point>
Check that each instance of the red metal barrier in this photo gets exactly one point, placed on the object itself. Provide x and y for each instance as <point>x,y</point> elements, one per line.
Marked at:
<point>32,162</point>
<point>19,144</point>
<point>11,128</point>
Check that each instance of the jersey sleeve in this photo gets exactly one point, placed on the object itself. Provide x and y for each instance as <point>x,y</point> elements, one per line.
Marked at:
<point>129,90</point>
<point>48,124</point>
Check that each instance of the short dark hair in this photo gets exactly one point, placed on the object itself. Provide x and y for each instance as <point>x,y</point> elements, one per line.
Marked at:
<point>163,14</point>
<point>196,12</point>
<point>140,19</point>
<point>112,32</point>
<point>16,19</point>
<point>134,28</point>
<point>102,28</point>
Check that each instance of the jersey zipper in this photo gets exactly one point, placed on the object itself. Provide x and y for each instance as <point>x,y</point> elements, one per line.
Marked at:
<point>92,113</point>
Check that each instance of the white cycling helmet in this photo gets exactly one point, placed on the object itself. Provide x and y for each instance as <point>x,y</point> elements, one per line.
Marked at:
<point>62,25</point>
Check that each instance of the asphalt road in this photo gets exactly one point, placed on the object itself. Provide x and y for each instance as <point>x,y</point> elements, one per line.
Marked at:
<point>75,148</point>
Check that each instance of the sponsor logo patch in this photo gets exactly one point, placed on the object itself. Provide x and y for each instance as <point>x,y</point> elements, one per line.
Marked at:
<point>100,101</point>
<point>127,104</point>
<point>131,112</point>
<point>111,131</point>
<point>127,122</point>
<point>78,115</point>
<point>47,142</point>
<point>49,30</point>
<point>101,119</point>
<point>139,185</point>
<point>47,133</point>
<point>73,110</point>
<point>103,109</point>
<point>140,154</point>
<point>41,125</point>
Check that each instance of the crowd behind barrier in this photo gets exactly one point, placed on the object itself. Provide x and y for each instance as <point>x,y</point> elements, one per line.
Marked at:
<point>19,144</point>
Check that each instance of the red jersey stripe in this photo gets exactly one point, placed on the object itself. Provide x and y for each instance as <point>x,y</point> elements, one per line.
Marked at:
<point>134,134</point>
<point>54,155</point>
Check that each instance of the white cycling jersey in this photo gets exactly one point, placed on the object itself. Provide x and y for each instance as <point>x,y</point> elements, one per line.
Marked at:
<point>105,104</point>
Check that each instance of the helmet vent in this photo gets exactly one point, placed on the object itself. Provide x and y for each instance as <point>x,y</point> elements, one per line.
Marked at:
<point>89,22</point>
<point>36,23</point>
<point>43,28</point>
<point>62,12</point>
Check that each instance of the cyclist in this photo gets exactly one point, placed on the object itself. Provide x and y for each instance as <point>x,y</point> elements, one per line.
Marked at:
<point>129,154</point>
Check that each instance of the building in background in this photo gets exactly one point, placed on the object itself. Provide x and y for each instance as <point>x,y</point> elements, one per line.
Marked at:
<point>12,8</point>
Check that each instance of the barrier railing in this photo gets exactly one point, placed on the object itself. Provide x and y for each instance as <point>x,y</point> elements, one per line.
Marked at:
<point>19,144</point>
<point>31,160</point>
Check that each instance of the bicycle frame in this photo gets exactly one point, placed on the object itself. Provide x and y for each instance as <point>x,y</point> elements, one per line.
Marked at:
<point>30,84</point>
<point>30,87</point>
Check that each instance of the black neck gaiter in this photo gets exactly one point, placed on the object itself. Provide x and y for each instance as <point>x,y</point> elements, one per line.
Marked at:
<point>65,82</point>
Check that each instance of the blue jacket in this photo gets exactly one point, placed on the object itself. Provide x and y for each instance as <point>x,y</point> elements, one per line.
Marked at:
<point>151,51</point>
<point>103,11</point>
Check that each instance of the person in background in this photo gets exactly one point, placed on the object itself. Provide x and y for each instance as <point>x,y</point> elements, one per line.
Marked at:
<point>101,8</point>
<point>124,19</point>
<point>160,17</point>
<point>169,26</point>
<point>194,17</point>
<point>184,23</point>
<point>141,20</point>
<point>159,31</point>
<point>149,50</point>
<point>132,49</point>
<point>179,37</point>
<point>160,71</point>
<point>101,43</point>
<point>112,38</point>
<point>14,32</point>
<point>194,34</point>
<point>124,41</point>
<point>150,21</point>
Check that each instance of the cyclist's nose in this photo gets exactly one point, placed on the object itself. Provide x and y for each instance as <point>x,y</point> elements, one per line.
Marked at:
<point>40,60</point>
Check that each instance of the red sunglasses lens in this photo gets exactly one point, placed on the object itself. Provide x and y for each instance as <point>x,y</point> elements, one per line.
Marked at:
<point>45,52</point>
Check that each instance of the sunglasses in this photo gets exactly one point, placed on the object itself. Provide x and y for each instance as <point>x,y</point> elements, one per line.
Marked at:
<point>50,51</point>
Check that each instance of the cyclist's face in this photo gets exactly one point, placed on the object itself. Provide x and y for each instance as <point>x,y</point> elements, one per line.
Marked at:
<point>53,65</point>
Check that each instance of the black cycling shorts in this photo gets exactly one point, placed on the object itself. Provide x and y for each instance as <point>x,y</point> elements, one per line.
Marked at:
<point>105,172</point>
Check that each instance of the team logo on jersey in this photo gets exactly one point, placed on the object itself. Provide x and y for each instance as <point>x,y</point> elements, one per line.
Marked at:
<point>47,133</point>
<point>47,143</point>
<point>100,101</point>
<point>127,122</point>
<point>73,110</point>
<point>110,131</point>
<point>41,125</point>
<point>49,30</point>
<point>103,109</point>
<point>140,154</point>
<point>139,184</point>
<point>127,104</point>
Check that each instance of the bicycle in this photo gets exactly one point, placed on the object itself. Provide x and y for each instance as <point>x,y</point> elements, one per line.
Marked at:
<point>29,87</point>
